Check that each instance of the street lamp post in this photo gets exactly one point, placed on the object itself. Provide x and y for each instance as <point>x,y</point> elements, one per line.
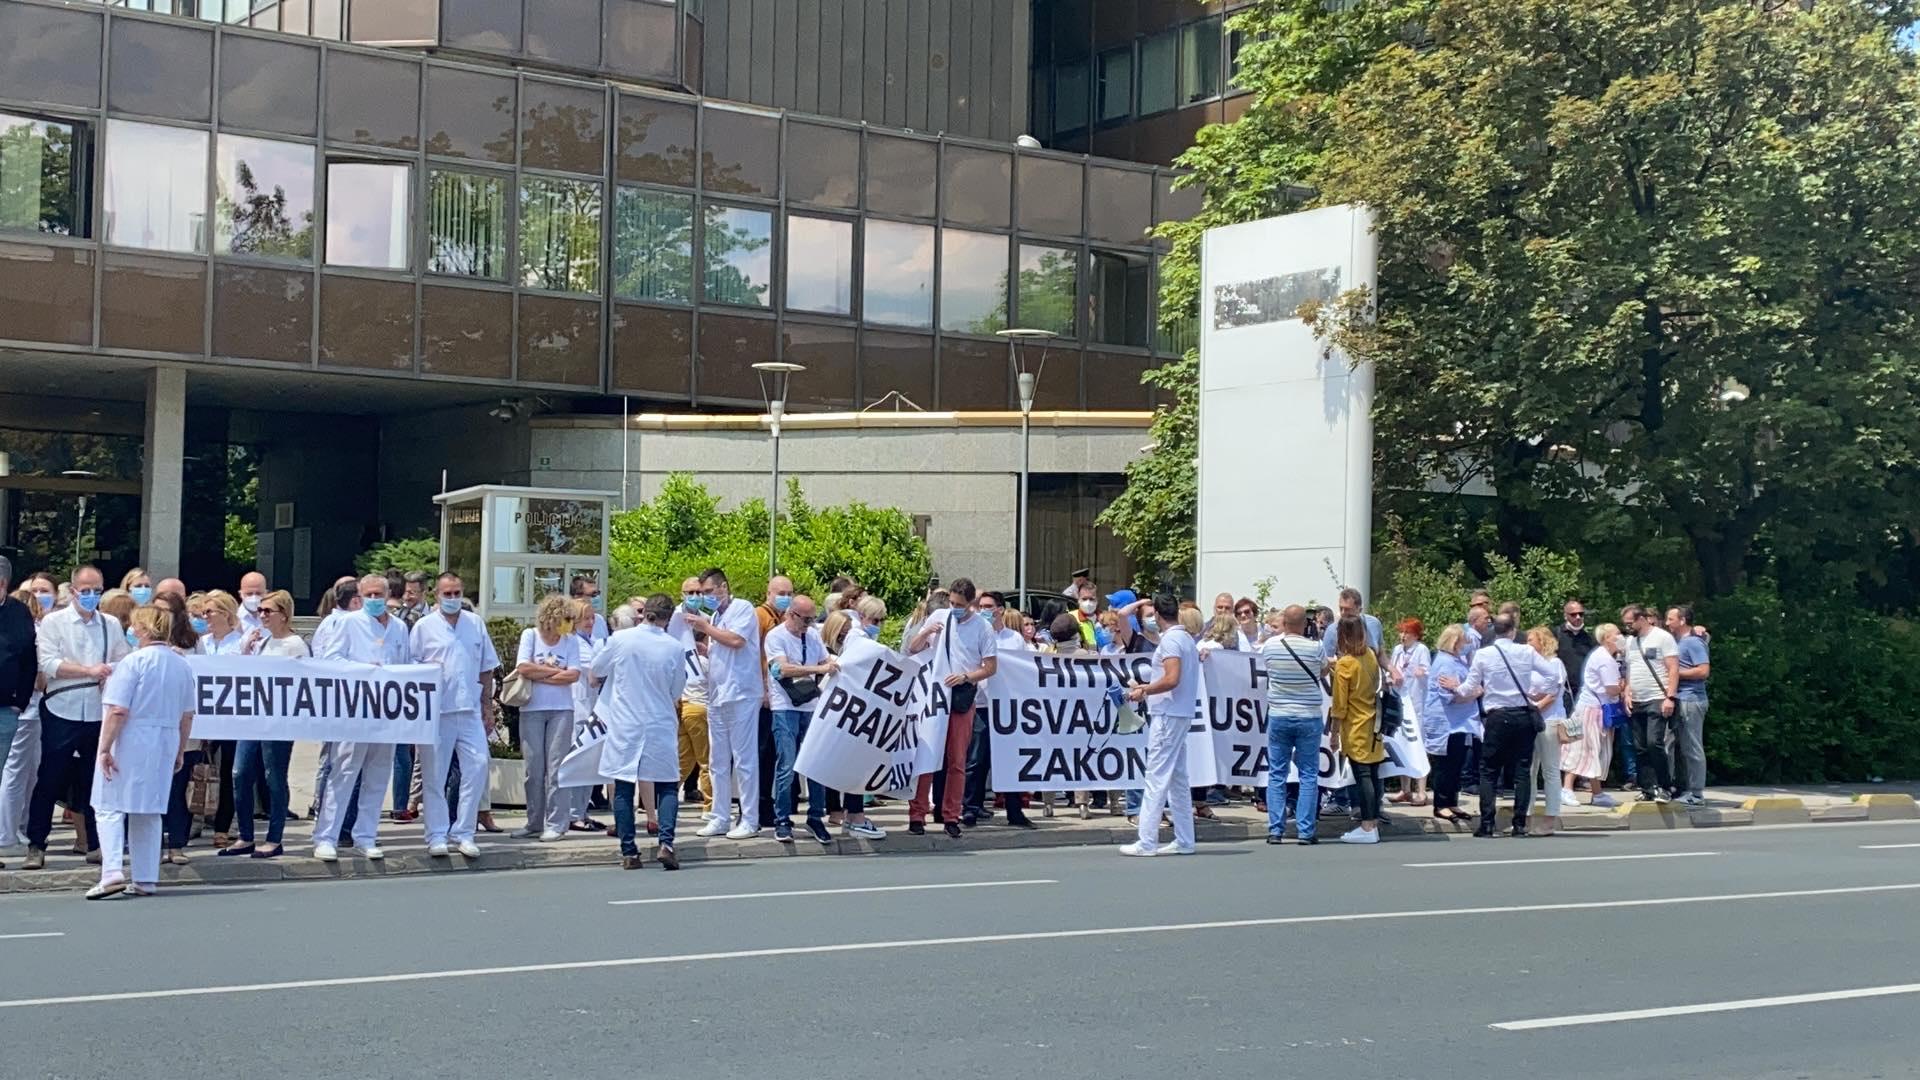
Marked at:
<point>774,376</point>
<point>1026,382</point>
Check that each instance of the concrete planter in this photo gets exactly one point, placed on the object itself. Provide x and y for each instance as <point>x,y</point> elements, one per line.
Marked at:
<point>507,782</point>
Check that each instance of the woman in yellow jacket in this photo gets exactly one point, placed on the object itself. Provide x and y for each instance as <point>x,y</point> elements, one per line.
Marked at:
<point>1354,719</point>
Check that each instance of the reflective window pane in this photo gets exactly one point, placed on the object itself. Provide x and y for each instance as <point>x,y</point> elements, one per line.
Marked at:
<point>263,313</point>
<point>567,31</point>
<point>823,164</point>
<point>1049,285</point>
<point>900,175</point>
<point>820,265</point>
<point>560,235</point>
<point>653,246</point>
<point>263,199</point>
<point>827,352</point>
<point>1116,84</point>
<point>1050,195</point>
<point>1200,60</point>
<point>467,225</point>
<point>40,190</point>
<point>564,127</point>
<point>973,282</point>
<point>154,304</point>
<point>738,253</point>
<point>368,209</point>
<point>269,85</point>
<point>978,186</point>
<point>656,141</point>
<point>1070,97</point>
<point>326,19</point>
<point>466,333</point>
<point>469,114</point>
<point>393,22</point>
<point>373,101</point>
<point>366,323</point>
<point>640,38</point>
<point>156,187</point>
<point>1119,205</point>
<point>1117,300</point>
<point>729,347</point>
<point>1159,68</point>
<point>898,275</point>
<point>741,152</point>
<point>50,54</point>
<point>896,364</point>
<point>161,70</point>
<point>974,374</point>
<point>482,25</point>
<point>49,293</point>
<point>652,349</point>
<point>559,341</point>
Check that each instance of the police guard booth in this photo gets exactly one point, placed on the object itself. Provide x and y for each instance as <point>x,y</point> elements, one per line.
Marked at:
<point>515,546</point>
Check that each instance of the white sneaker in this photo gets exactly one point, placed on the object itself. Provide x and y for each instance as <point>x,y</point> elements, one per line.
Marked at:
<point>741,832</point>
<point>550,836</point>
<point>1604,800</point>
<point>1184,849</point>
<point>1358,835</point>
<point>325,852</point>
<point>1567,798</point>
<point>714,827</point>
<point>1139,849</point>
<point>372,853</point>
<point>866,830</point>
<point>437,849</point>
<point>469,849</point>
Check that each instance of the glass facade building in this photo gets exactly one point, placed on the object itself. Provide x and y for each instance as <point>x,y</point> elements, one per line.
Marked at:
<point>504,206</point>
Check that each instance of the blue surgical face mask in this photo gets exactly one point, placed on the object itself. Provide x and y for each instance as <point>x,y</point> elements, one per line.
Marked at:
<point>1101,638</point>
<point>450,605</point>
<point>87,599</point>
<point>46,600</point>
<point>690,601</point>
<point>142,594</point>
<point>375,606</point>
<point>132,640</point>
<point>782,603</point>
<point>599,602</point>
<point>709,603</point>
<point>873,632</point>
<point>199,625</point>
<point>962,614</point>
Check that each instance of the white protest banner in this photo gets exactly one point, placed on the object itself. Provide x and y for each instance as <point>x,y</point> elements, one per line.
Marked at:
<point>581,766</point>
<point>1235,718</point>
<point>1056,722</point>
<point>282,699</point>
<point>865,732</point>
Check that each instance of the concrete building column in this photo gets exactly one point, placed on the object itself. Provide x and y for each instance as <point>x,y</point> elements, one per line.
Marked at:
<point>160,478</point>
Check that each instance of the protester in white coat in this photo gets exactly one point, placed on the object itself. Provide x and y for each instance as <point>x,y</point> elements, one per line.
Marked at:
<point>368,636</point>
<point>1171,699</point>
<point>735,688</point>
<point>456,640</point>
<point>149,704</point>
<point>642,673</point>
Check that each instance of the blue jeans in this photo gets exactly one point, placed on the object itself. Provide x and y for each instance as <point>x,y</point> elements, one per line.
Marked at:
<point>1293,738</point>
<point>402,776</point>
<point>789,728</point>
<point>1135,796</point>
<point>666,797</point>
<point>250,761</point>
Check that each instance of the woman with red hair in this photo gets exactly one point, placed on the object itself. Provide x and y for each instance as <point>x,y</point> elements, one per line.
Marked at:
<point>1408,670</point>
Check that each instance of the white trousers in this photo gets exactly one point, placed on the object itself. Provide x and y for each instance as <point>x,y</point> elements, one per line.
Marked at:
<point>733,735</point>
<point>460,733</point>
<point>1546,763</point>
<point>372,765</point>
<point>116,829</point>
<point>16,781</point>
<point>1167,782</point>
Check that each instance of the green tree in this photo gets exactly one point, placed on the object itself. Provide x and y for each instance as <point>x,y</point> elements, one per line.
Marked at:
<point>418,553</point>
<point>1298,55</point>
<point>1653,251</point>
<point>259,222</point>
<point>1048,287</point>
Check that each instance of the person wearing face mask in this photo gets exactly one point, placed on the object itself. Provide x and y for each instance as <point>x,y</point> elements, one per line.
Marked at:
<point>866,614</point>
<point>23,752</point>
<point>771,612</point>
<point>253,589</point>
<point>735,687</point>
<point>139,585</point>
<point>148,701</point>
<point>1086,607</point>
<point>695,752</point>
<point>797,663</point>
<point>1171,698</point>
<point>993,609</point>
<point>370,635</point>
<point>456,640</point>
<point>76,648</point>
<point>960,650</point>
<point>216,618</point>
<point>587,591</point>
<point>19,663</point>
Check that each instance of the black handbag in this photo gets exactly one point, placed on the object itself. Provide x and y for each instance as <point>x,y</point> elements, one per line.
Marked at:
<point>804,688</point>
<point>70,687</point>
<point>1533,711</point>
<point>1391,713</point>
<point>959,698</point>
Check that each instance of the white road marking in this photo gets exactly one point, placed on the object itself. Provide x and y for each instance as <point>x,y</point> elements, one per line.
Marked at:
<point>1568,858</point>
<point>1885,847</point>
<point>834,892</point>
<point>1706,1007</point>
<point>20,937</point>
<point>927,943</point>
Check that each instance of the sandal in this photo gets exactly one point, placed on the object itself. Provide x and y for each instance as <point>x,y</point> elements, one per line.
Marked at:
<point>1402,798</point>
<point>1203,811</point>
<point>179,858</point>
<point>221,840</point>
<point>1418,800</point>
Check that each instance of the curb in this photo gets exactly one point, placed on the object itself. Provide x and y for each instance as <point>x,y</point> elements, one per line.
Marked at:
<point>1777,810</point>
<point>1888,806</point>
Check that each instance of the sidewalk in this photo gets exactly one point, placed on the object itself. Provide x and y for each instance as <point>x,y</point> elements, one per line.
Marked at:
<point>405,843</point>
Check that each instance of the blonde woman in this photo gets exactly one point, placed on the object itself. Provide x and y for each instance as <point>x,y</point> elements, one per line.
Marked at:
<point>1589,757</point>
<point>149,702</point>
<point>264,763</point>
<point>549,658</point>
<point>1548,743</point>
<point>138,584</point>
<point>1353,721</point>
<point>216,618</point>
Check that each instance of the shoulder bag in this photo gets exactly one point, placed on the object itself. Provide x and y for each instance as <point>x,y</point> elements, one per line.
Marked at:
<point>804,688</point>
<point>1321,679</point>
<point>516,690</point>
<point>959,698</point>
<point>1533,711</point>
<point>70,687</point>
<point>1651,670</point>
<point>1390,714</point>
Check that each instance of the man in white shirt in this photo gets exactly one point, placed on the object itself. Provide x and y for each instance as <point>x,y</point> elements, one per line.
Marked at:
<point>797,662</point>
<point>371,635</point>
<point>1171,699</point>
<point>734,689</point>
<point>455,639</point>
<point>963,655</point>
<point>1502,675</point>
<point>644,672</point>
<point>1652,661</point>
<point>76,647</point>
<point>585,588</point>
<point>253,589</point>
<point>992,607</point>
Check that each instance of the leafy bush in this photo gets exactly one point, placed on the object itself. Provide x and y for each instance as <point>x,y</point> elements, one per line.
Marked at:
<point>1541,584</point>
<point>420,553</point>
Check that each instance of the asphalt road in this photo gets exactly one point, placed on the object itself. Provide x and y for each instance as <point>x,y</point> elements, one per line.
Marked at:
<point>1242,960</point>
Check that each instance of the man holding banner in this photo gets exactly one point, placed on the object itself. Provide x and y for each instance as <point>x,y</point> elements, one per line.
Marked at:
<point>642,673</point>
<point>458,642</point>
<point>964,654</point>
<point>1171,699</point>
<point>367,636</point>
